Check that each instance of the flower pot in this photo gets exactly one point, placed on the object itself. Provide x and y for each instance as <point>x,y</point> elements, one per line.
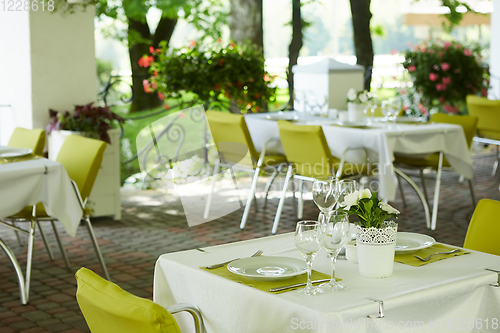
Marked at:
<point>355,111</point>
<point>375,249</point>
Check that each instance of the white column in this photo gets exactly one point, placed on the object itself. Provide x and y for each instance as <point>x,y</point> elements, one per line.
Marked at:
<point>495,51</point>
<point>47,62</point>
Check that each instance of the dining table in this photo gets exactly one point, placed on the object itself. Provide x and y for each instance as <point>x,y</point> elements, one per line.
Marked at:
<point>28,180</point>
<point>381,140</point>
<point>458,293</point>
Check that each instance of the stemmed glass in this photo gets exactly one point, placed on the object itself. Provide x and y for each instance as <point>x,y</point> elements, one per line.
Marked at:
<point>334,235</point>
<point>387,110</point>
<point>325,195</point>
<point>345,187</point>
<point>307,240</point>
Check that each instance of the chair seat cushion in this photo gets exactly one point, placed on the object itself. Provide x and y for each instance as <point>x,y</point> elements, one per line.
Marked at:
<point>431,160</point>
<point>493,135</point>
<point>40,212</point>
<point>273,160</point>
<point>108,308</point>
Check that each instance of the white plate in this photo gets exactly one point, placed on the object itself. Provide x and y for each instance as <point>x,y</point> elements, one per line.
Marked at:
<point>410,120</point>
<point>268,268</point>
<point>409,242</point>
<point>15,152</point>
<point>281,116</point>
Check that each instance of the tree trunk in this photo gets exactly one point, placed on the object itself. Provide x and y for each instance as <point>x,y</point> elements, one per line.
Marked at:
<point>141,100</point>
<point>361,16</point>
<point>295,45</point>
<point>245,22</point>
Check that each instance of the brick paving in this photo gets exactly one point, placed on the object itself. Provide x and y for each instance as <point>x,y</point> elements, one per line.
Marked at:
<point>154,223</point>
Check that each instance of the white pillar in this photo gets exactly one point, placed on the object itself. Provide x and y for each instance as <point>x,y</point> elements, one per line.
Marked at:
<point>47,61</point>
<point>495,51</point>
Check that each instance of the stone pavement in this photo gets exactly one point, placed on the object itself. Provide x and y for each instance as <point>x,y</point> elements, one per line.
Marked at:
<point>154,223</point>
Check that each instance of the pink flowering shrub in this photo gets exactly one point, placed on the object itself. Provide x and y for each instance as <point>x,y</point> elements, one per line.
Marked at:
<point>445,72</point>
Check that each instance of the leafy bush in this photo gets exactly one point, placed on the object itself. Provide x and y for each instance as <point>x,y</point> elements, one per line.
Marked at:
<point>445,72</point>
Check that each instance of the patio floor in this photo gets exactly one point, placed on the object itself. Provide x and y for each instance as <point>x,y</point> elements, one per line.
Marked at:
<point>154,223</point>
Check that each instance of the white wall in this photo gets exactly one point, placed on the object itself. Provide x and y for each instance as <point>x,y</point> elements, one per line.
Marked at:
<point>495,51</point>
<point>15,72</point>
<point>47,60</point>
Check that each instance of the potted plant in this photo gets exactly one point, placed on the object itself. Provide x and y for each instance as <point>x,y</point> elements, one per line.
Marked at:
<point>375,233</point>
<point>356,103</point>
<point>229,74</point>
<point>443,73</point>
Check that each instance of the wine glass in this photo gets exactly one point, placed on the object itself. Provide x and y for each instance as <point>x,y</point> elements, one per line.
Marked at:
<point>387,110</point>
<point>396,106</point>
<point>307,240</point>
<point>345,187</point>
<point>334,235</point>
<point>324,191</point>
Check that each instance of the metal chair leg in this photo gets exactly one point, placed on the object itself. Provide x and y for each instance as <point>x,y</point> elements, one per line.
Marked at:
<point>422,178</point>
<point>17,234</point>
<point>235,183</point>
<point>214,179</point>
<point>300,206</point>
<point>419,193</point>
<point>251,197</point>
<point>61,247</point>
<point>472,195</point>
<point>29,259</point>
<point>436,192</point>
<point>495,165</point>
<point>96,248</point>
<point>47,247</point>
<point>270,183</point>
<point>19,272</point>
<point>282,200</point>
<point>400,185</point>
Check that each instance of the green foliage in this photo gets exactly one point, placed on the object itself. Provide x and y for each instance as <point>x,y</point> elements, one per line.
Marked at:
<point>445,72</point>
<point>233,72</point>
<point>371,211</point>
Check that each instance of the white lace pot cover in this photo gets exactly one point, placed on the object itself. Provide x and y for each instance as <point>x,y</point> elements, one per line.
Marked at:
<point>376,248</point>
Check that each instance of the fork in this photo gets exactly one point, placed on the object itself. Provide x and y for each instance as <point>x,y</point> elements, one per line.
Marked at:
<point>429,257</point>
<point>256,254</point>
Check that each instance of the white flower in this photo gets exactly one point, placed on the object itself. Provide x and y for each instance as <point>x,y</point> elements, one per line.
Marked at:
<point>363,98</point>
<point>366,193</point>
<point>388,208</point>
<point>351,94</point>
<point>350,200</point>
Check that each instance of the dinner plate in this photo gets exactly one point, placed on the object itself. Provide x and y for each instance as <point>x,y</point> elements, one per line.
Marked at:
<point>410,120</point>
<point>409,242</point>
<point>15,152</point>
<point>268,268</point>
<point>281,116</point>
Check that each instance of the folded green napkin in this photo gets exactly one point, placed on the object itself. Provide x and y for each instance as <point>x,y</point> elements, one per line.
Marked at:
<point>409,259</point>
<point>266,285</point>
<point>19,159</point>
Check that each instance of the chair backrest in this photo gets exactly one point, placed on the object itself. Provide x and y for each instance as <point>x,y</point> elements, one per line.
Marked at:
<point>232,128</point>
<point>468,123</point>
<point>24,138</point>
<point>107,308</point>
<point>82,158</point>
<point>488,113</point>
<point>483,233</point>
<point>306,148</point>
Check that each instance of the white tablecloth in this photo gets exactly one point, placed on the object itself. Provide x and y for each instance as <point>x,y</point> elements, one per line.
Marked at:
<point>25,183</point>
<point>443,293</point>
<point>382,140</point>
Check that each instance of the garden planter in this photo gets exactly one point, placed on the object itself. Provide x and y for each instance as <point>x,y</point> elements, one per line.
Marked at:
<point>375,250</point>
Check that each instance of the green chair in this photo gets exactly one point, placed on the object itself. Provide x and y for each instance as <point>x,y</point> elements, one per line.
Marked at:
<point>24,138</point>
<point>309,156</point>
<point>237,151</point>
<point>488,126</point>
<point>483,233</point>
<point>437,161</point>
<point>81,157</point>
<point>109,309</point>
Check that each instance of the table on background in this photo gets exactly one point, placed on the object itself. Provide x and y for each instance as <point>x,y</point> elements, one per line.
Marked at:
<point>382,140</point>
<point>441,293</point>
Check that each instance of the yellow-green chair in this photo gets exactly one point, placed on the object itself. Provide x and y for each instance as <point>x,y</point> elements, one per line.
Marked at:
<point>309,156</point>
<point>483,233</point>
<point>109,309</point>
<point>237,151</point>
<point>81,157</point>
<point>437,161</point>
<point>24,138</point>
<point>488,126</point>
